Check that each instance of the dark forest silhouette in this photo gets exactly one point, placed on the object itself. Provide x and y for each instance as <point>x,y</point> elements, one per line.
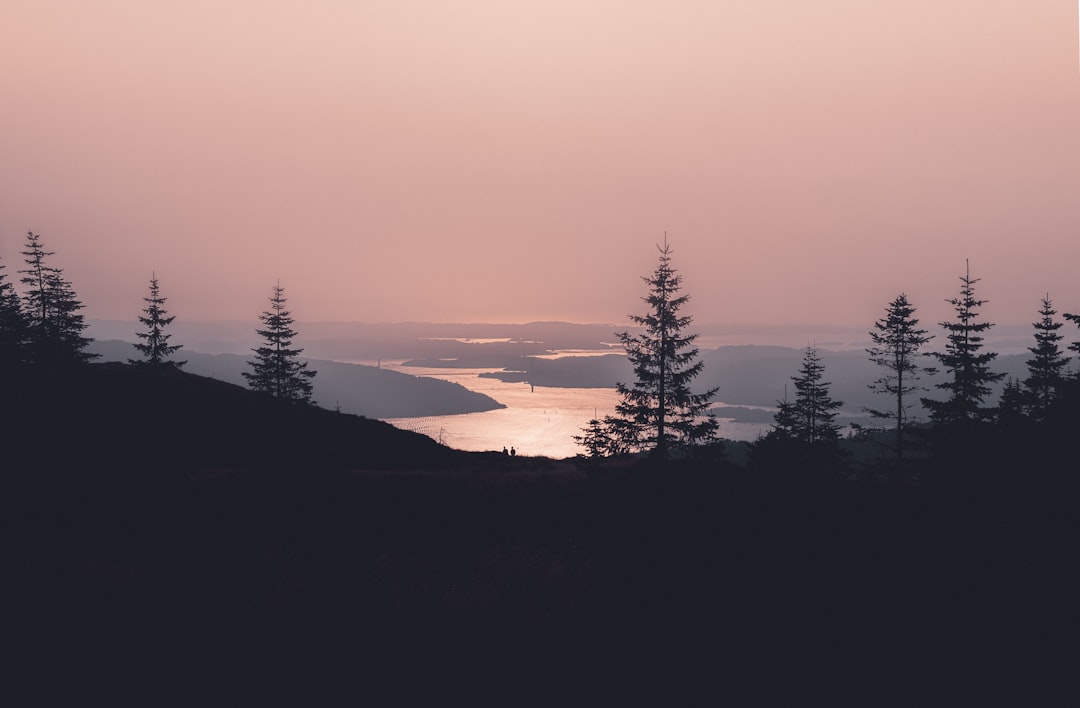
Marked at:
<point>178,540</point>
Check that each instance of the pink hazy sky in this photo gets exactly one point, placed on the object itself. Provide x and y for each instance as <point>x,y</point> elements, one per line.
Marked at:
<point>499,160</point>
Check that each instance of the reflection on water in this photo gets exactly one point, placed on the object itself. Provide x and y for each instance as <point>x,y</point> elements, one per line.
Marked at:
<point>536,421</point>
<point>564,353</point>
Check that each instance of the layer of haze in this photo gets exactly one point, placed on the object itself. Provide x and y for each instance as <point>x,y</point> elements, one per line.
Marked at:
<point>499,160</point>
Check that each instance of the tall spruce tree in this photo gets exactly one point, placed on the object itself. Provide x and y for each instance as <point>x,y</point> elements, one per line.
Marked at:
<point>964,361</point>
<point>12,325</point>
<point>1046,368</point>
<point>276,369</point>
<point>155,346</point>
<point>659,409</point>
<point>814,410</point>
<point>897,349</point>
<point>51,308</point>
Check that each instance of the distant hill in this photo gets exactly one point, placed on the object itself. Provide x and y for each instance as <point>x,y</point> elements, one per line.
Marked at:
<point>757,375</point>
<point>114,416</point>
<point>746,375</point>
<point>362,390</point>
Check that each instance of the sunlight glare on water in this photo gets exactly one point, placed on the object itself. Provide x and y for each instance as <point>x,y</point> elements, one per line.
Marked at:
<point>538,421</point>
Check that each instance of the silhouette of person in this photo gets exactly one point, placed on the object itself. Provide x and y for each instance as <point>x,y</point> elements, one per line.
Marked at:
<point>504,450</point>
<point>513,452</point>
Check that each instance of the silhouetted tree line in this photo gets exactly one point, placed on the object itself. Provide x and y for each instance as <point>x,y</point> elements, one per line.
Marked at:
<point>667,585</point>
<point>659,413</point>
<point>43,328</point>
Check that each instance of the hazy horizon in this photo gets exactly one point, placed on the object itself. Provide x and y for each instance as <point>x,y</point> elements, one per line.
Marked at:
<point>492,161</point>
<point>237,336</point>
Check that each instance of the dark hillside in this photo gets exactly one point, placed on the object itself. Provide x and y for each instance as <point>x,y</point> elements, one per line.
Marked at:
<point>369,391</point>
<point>531,586</point>
<point>114,416</point>
<point>175,540</point>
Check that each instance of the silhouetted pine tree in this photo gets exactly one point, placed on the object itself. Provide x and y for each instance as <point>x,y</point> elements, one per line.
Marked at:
<point>659,409</point>
<point>1066,410</point>
<point>155,346</point>
<point>51,308</point>
<point>1075,346</point>
<point>778,448</point>
<point>1017,440</point>
<point>786,422</point>
<point>965,362</point>
<point>597,441</point>
<point>276,369</point>
<point>813,410</point>
<point>1012,410</point>
<point>1071,389</point>
<point>897,348</point>
<point>804,436</point>
<point>12,325</point>
<point>1046,368</point>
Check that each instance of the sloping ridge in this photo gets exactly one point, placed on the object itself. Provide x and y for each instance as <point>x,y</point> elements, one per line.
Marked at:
<point>354,388</point>
<point>114,415</point>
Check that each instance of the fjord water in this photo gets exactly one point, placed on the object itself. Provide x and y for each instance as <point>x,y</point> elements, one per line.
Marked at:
<point>537,421</point>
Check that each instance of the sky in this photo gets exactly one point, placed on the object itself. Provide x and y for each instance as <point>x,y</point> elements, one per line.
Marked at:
<point>509,161</point>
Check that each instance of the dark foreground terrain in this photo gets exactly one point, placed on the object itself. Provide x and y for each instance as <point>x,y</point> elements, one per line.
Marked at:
<point>348,565</point>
